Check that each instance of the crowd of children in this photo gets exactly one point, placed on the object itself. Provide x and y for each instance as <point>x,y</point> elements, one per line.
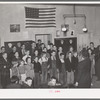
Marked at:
<point>34,68</point>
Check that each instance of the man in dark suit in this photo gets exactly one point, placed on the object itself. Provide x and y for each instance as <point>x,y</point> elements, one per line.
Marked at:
<point>2,51</point>
<point>84,67</point>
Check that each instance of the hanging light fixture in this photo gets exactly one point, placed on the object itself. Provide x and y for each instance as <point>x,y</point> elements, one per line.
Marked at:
<point>85,28</point>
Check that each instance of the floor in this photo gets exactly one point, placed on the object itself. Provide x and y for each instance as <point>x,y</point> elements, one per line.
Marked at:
<point>96,84</point>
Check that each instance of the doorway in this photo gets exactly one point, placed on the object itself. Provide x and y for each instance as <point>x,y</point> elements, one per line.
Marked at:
<point>45,38</point>
<point>66,43</point>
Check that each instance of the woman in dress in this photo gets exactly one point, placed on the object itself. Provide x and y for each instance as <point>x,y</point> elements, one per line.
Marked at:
<point>29,68</point>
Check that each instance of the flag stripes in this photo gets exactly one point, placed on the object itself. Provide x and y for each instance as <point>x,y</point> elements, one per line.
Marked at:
<point>40,17</point>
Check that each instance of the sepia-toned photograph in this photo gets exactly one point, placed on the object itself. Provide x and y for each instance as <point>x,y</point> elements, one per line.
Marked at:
<point>57,46</point>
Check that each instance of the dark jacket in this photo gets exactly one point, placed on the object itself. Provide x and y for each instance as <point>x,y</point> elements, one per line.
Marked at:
<point>70,65</point>
<point>24,85</point>
<point>5,72</point>
<point>13,86</point>
<point>84,76</point>
<point>59,65</point>
<point>37,67</point>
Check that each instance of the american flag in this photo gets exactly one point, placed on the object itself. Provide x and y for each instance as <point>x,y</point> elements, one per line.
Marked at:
<point>40,17</point>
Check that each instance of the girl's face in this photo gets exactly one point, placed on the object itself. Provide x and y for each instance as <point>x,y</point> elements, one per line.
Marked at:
<point>3,50</point>
<point>33,45</point>
<point>16,54</point>
<point>45,50</point>
<point>23,46</point>
<point>60,49</point>
<point>89,51</point>
<point>42,45</point>
<point>36,52</point>
<point>29,60</point>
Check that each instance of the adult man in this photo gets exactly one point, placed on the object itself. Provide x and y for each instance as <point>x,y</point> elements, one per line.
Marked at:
<point>84,69</point>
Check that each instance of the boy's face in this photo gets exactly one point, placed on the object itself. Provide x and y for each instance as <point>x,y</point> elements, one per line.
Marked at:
<point>3,50</point>
<point>29,60</point>
<point>71,49</point>
<point>5,56</point>
<point>29,82</point>
<point>60,48</point>
<point>36,52</point>
<point>14,49</point>
<point>19,44</point>
<point>27,52</point>
<point>53,53</point>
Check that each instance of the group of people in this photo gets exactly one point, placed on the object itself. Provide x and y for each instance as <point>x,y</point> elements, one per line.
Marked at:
<point>21,67</point>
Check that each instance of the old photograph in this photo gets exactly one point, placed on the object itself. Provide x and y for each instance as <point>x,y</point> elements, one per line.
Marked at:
<point>49,46</point>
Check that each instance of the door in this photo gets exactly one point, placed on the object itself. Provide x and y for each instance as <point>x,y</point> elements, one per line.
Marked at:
<point>66,43</point>
<point>45,38</point>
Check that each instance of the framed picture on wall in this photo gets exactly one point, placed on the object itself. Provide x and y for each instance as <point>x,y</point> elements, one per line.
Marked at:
<point>14,27</point>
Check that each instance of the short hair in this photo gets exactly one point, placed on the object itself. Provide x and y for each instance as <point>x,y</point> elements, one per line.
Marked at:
<point>53,51</point>
<point>71,47</point>
<point>36,50</point>
<point>14,46</point>
<point>69,52</point>
<point>2,47</point>
<point>51,44</point>
<point>28,78</point>
<point>27,50</point>
<point>39,40</point>
<point>4,53</point>
<point>53,77</point>
<point>33,42</point>
<point>43,53</point>
<point>91,43</point>
<point>14,79</point>
<point>28,58</point>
